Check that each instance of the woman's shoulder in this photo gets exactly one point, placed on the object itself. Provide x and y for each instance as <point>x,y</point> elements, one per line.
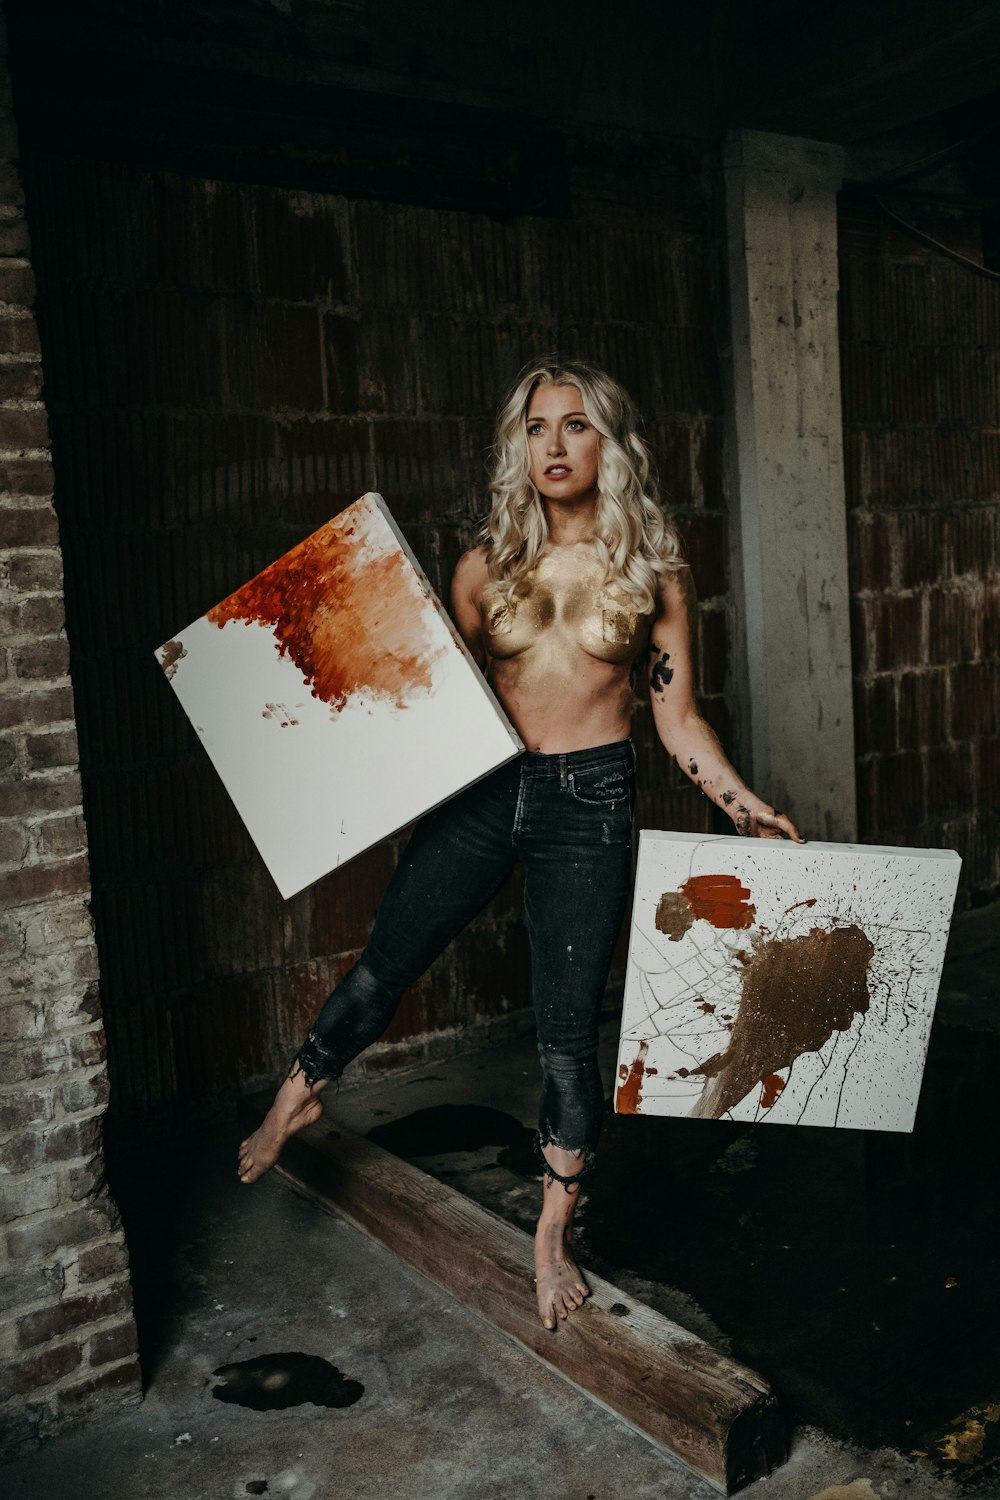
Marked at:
<point>472,569</point>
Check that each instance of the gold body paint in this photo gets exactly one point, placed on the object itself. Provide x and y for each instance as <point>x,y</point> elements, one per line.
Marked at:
<point>561,652</point>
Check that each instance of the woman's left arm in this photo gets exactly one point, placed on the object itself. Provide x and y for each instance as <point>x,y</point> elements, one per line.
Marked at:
<point>689,739</point>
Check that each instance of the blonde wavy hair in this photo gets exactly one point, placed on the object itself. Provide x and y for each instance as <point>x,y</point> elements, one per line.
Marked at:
<point>634,541</point>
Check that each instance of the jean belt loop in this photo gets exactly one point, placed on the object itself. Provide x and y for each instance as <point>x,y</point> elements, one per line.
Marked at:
<point>562,773</point>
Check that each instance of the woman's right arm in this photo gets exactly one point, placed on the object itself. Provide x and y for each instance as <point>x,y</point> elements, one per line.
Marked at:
<point>471,577</point>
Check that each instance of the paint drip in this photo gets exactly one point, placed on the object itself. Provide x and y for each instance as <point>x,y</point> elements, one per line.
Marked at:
<point>796,992</point>
<point>349,613</point>
<point>628,1099</point>
<point>273,1382</point>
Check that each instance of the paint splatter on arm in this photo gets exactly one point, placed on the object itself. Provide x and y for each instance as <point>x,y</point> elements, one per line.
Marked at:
<point>682,730</point>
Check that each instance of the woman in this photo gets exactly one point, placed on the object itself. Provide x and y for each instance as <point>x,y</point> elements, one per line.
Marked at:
<point>577,582</point>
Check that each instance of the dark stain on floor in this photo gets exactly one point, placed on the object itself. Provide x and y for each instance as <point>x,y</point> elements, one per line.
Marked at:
<point>445,1128</point>
<point>273,1382</point>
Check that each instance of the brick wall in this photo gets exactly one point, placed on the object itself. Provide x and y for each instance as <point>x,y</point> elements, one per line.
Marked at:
<point>921,360</point>
<point>67,1339</point>
<point>227,365</point>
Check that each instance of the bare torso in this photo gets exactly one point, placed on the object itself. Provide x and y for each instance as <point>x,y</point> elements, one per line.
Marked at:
<point>559,656</point>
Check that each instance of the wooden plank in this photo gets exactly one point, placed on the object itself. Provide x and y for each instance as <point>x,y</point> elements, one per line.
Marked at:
<point>718,1417</point>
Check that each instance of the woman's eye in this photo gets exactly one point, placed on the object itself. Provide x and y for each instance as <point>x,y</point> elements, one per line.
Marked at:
<point>534,428</point>
<point>575,425</point>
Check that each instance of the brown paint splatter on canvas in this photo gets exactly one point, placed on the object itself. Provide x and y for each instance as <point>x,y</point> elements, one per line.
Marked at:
<point>629,1096</point>
<point>350,621</point>
<point>674,915</point>
<point>171,655</point>
<point>796,993</point>
<point>720,899</point>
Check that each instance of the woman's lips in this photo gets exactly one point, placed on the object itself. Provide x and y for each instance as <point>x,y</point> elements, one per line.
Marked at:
<point>557,471</point>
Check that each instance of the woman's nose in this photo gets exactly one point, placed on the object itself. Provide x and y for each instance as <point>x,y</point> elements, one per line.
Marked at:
<point>556,443</point>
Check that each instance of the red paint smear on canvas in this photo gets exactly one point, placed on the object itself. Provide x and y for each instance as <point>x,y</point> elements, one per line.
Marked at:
<point>770,1089</point>
<point>720,899</point>
<point>629,1096</point>
<point>352,622</point>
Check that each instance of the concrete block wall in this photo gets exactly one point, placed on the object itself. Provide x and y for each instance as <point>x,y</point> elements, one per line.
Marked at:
<point>921,380</point>
<point>67,1337</point>
<point>228,365</point>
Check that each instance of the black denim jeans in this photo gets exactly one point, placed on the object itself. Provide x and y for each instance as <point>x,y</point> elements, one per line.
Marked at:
<point>568,819</point>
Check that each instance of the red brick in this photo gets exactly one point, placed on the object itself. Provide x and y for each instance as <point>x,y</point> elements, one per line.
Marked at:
<point>289,374</point>
<point>345,902</point>
<point>28,528</point>
<point>18,336</point>
<point>299,252</point>
<point>35,882</point>
<point>113,1344</point>
<point>871,544</point>
<point>60,837</point>
<point>896,631</point>
<point>74,1312</point>
<point>14,841</point>
<point>977,541</point>
<point>36,570</point>
<point>954,625</point>
<point>53,750</point>
<point>42,661</point>
<point>20,429</point>
<point>29,1375</point>
<point>862,370</point>
<point>72,1139</point>
<point>48,706</point>
<point>911,385</point>
<point>69,1228</point>
<point>14,238</point>
<point>31,1108</point>
<point>41,616</point>
<point>28,1196</point>
<point>122,1381</point>
<point>24,476</point>
<point>21,382</point>
<point>949,780</point>
<point>17,285</point>
<point>102,1261</point>
<point>975,700</point>
<point>923,703</point>
<point>876,719</point>
<point>900,791</point>
<point>42,795</point>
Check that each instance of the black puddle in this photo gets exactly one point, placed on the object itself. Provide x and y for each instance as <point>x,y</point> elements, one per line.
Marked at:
<point>455,1127</point>
<point>273,1382</point>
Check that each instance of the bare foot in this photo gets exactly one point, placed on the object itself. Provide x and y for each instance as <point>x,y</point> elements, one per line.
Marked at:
<point>295,1105</point>
<point>560,1287</point>
<point>559,1282</point>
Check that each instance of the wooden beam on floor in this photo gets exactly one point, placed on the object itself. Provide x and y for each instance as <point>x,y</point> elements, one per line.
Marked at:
<point>718,1417</point>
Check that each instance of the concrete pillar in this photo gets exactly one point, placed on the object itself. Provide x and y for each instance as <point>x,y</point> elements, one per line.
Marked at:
<point>791,531</point>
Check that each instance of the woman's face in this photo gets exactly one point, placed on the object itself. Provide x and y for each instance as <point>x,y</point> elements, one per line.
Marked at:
<point>563,447</point>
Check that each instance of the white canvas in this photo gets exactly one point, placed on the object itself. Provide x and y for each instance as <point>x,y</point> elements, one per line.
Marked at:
<point>335,697</point>
<point>782,983</point>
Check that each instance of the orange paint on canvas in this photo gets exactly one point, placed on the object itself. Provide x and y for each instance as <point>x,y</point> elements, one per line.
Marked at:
<point>770,1090</point>
<point>629,1095</point>
<point>348,615</point>
<point>720,899</point>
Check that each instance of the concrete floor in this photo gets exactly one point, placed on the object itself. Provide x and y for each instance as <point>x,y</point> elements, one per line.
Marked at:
<point>822,1258</point>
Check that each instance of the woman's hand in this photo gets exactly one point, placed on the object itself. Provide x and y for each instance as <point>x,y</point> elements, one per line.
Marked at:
<point>758,821</point>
